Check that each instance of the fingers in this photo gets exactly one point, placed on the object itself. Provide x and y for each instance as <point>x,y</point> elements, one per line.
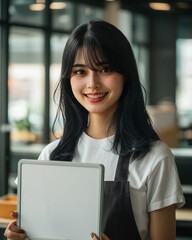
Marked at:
<point>14,232</point>
<point>94,237</point>
<point>13,227</point>
<point>13,214</point>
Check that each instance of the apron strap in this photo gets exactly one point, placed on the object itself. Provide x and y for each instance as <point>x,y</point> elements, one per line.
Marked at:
<point>122,169</point>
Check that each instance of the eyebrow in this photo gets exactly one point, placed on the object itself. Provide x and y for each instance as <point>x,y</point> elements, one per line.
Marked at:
<point>83,65</point>
<point>79,65</point>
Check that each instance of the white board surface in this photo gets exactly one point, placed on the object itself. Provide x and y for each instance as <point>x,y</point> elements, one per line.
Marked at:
<point>60,200</point>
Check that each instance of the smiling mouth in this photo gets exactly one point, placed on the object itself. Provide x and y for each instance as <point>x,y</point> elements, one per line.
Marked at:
<point>95,96</point>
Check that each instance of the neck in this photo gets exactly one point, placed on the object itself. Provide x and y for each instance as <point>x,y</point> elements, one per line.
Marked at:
<point>99,126</point>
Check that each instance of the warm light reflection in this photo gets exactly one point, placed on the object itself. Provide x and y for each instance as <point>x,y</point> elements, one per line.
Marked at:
<point>160,6</point>
<point>184,76</point>
<point>37,7</point>
<point>26,94</point>
<point>57,5</point>
<point>183,5</point>
<point>88,11</point>
<point>40,1</point>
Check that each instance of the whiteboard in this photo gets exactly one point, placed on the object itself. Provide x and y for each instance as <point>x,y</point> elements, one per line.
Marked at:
<point>60,200</point>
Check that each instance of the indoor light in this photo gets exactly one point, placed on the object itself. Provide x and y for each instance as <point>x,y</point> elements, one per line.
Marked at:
<point>40,1</point>
<point>37,7</point>
<point>57,5</point>
<point>88,11</point>
<point>160,6</point>
<point>183,5</point>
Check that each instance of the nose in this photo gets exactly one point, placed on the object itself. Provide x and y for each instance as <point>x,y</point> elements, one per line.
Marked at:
<point>93,80</point>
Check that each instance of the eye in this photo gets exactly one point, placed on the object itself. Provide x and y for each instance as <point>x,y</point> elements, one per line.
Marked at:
<point>106,69</point>
<point>79,72</point>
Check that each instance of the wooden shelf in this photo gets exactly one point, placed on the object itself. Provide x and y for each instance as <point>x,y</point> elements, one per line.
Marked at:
<point>184,214</point>
<point>5,221</point>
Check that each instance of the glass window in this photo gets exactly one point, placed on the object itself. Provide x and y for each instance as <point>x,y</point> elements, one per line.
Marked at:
<point>26,84</point>
<point>140,37</point>
<point>3,7</point>
<point>58,42</point>
<point>125,21</point>
<point>62,15</point>
<point>0,10</point>
<point>142,58</point>
<point>27,12</point>
<point>184,82</point>
<point>0,52</point>
<point>140,28</point>
<point>87,12</point>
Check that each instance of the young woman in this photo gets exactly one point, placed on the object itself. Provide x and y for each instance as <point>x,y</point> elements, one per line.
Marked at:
<point>106,122</point>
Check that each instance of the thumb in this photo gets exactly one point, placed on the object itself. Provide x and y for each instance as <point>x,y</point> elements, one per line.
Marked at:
<point>94,237</point>
<point>13,214</point>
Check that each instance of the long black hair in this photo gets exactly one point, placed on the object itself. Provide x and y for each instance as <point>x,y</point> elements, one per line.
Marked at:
<point>133,129</point>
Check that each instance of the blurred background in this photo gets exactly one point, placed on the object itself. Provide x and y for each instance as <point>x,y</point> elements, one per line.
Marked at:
<point>33,34</point>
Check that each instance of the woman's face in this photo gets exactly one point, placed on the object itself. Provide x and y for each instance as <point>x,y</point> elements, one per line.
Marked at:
<point>97,91</point>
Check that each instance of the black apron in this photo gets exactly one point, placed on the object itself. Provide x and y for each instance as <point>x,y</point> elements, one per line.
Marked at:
<point>118,219</point>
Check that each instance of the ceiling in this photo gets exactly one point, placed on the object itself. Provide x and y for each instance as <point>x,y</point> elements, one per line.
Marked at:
<point>177,6</point>
<point>142,6</point>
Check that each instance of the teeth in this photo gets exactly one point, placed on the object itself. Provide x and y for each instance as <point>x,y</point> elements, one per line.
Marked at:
<point>96,96</point>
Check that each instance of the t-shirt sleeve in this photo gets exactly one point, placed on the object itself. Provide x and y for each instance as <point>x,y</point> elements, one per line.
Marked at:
<point>164,187</point>
<point>45,154</point>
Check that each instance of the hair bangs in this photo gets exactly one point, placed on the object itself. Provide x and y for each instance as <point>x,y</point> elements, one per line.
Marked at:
<point>93,54</point>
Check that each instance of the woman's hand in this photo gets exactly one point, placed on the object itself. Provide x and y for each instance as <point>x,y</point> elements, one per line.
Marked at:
<point>12,232</point>
<point>94,237</point>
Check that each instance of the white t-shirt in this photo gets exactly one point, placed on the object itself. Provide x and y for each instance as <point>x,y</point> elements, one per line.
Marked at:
<point>153,180</point>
